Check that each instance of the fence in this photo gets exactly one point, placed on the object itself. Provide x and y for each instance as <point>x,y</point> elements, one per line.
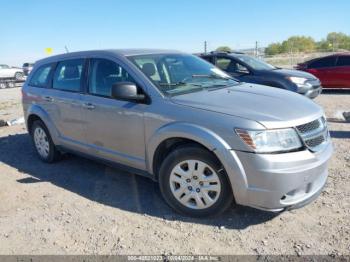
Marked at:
<point>291,60</point>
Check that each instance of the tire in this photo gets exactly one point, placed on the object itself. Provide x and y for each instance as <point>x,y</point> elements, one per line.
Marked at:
<point>18,76</point>
<point>194,198</point>
<point>43,144</point>
<point>10,84</point>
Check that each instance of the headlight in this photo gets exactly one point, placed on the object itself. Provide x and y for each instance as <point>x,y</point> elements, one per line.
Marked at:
<point>271,141</point>
<point>299,81</point>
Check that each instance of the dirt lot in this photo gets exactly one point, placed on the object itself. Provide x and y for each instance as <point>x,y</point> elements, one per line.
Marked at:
<point>79,207</point>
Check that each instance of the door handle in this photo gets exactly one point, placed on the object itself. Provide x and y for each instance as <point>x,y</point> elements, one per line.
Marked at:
<point>88,106</point>
<point>48,98</point>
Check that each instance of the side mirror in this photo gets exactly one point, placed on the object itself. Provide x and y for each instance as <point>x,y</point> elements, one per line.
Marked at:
<point>127,91</point>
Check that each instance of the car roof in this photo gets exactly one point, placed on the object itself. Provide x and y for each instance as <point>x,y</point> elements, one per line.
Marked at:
<point>213,53</point>
<point>331,55</point>
<point>113,52</point>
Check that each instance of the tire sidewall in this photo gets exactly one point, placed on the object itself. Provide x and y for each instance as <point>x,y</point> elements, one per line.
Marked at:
<point>19,76</point>
<point>51,156</point>
<point>195,153</point>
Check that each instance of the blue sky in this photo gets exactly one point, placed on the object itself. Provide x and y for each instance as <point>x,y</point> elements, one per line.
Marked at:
<point>28,27</point>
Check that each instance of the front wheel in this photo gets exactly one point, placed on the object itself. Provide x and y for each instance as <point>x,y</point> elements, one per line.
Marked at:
<point>193,182</point>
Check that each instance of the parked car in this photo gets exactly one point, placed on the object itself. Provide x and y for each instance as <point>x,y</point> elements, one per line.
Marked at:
<point>11,72</point>
<point>27,68</point>
<point>333,70</point>
<point>252,70</point>
<point>206,138</point>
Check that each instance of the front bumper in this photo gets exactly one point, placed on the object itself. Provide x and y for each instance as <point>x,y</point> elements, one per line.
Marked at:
<point>276,182</point>
<point>312,89</point>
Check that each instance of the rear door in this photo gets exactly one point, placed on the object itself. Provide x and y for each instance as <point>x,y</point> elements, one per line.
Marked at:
<point>324,69</point>
<point>342,72</point>
<point>64,99</point>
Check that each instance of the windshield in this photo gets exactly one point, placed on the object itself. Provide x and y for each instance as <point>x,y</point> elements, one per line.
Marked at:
<point>175,74</point>
<point>255,63</point>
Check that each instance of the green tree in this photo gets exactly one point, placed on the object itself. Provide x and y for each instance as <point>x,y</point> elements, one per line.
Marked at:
<point>298,44</point>
<point>273,49</point>
<point>224,49</point>
<point>338,41</point>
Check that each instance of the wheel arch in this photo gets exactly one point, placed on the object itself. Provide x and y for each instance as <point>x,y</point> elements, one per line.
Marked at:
<point>35,112</point>
<point>166,138</point>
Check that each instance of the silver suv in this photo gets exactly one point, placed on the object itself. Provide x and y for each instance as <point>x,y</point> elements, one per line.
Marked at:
<point>206,138</point>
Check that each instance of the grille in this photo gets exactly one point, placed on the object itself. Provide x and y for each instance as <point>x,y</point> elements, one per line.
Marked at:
<point>315,141</point>
<point>309,127</point>
<point>314,133</point>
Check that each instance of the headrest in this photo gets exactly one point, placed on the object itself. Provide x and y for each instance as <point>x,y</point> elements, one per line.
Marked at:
<point>148,69</point>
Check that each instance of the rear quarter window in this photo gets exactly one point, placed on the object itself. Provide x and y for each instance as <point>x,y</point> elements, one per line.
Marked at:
<point>323,62</point>
<point>41,77</point>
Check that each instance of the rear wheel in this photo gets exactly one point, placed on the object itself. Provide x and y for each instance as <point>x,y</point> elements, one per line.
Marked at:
<point>194,183</point>
<point>43,143</point>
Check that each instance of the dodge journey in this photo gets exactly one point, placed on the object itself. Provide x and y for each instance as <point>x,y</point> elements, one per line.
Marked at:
<point>207,139</point>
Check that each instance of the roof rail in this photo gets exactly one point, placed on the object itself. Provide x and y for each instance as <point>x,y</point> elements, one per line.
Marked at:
<point>226,52</point>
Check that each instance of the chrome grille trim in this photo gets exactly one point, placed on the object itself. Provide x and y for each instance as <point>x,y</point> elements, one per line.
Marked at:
<point>314,134</point>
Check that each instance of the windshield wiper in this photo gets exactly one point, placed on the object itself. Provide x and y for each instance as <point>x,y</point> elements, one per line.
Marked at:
<point>212,76</point>
<point>178,84</point>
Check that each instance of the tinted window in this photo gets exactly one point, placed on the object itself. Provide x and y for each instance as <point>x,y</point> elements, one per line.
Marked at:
<point>323,62</point>
<point>343,61</point>
<point>230,65</point>
<point>68,75</point>
<point>223,63</point>
<point>254,63</point>
<point>41,76</point>
<point>208,58</point>
<point>103,74</point>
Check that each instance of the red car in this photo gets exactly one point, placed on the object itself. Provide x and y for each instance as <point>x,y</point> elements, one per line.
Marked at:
<point>333,71</point>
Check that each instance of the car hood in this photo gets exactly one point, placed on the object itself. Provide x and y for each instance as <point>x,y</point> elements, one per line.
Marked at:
<point>290,72</point>
<point>271,107</point>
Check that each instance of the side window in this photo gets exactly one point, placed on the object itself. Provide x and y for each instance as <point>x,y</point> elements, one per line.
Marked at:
<point>323,62</point>
<point>223,63</point>
<point>41,76</point>
<point>103,74</point>
<point>231,66</point>
<point>343,61</point>
<point>67,76</point>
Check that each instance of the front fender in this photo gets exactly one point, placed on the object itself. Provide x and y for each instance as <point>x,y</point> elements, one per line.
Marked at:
<point>38,111</point>
<point>208,139</point>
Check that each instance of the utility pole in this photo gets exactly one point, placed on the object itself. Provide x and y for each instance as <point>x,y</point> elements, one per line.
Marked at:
<point>205,47</point>
<point>256,49</point>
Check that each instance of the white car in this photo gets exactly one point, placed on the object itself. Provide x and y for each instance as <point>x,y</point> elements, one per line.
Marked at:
<point>11,72</point>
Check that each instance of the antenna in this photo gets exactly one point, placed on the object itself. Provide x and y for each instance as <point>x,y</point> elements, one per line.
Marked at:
<point>65,47</point>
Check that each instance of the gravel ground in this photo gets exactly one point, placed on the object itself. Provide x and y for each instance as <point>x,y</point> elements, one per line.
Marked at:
<point>76,206</point>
